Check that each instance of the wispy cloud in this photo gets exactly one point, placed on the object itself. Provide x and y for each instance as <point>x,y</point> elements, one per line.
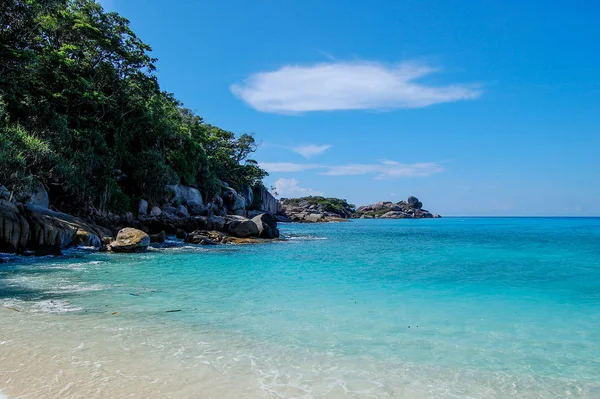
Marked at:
<point>310,150</point>
<point>347,85</point>
<point>291,188</point>
<point>288,166</point>
<point>384,170</point>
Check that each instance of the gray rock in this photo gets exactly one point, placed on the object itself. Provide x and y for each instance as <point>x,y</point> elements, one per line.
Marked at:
<point>198,237</point>
<point>130,240</point>
<point>14,229</point>
<point>414,202</point>
<point>196,208</point>
<point>235,202</point>
<point>248,195</point>
<point>395,215</point>
<point>143,207</point>
<point>50,228</point>
<point>182,211</point>
<point>38,196</point>
<point>86,239</point>
<point>159,237</point>
<point>267,225</point>
<point>184,195</point>
<point>169,210</point>
<point>253,213</point>
<point>313,217</point>
<point>155,211</point>
<point>242,229</point>
<point>217,222</point>
<point>268,203</point>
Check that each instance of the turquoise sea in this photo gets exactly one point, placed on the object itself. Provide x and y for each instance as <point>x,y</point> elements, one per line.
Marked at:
<point>438,308</point>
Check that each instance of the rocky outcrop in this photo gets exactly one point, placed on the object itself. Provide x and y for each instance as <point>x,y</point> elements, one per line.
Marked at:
<point>130,240</point>
<point>410,209</point>
<point>204,237</point>
<point>32,227</point>
<point>57,229</point>
<point>29,227</point>
<point>14,229</point>
<point>267,202</point>
<point>309,210</point>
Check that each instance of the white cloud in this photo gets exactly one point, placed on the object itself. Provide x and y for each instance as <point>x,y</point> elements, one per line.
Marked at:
<point>384,170</point>
<point>347,85</point>
<point>291,188</point>
<point>310,150</point>
<point>287,166</point>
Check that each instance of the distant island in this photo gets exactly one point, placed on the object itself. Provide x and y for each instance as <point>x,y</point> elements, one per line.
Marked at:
<point>313,209</point>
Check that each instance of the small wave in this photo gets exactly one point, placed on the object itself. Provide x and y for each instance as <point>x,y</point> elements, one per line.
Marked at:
<point>54,306</point>
<point>305,238</point>
<point>62,289</point>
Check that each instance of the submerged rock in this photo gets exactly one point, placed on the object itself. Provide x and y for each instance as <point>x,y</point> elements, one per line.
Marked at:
<point>159,237</point>
<point>86,239</point>
<point>130,240</point>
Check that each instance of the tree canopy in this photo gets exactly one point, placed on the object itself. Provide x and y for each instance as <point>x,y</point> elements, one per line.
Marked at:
<point>82,111</point>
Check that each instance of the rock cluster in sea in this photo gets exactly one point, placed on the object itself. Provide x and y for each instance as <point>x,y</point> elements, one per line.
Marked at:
<point>409,209</point>
<point>306,211</point>
<point>319,209</point>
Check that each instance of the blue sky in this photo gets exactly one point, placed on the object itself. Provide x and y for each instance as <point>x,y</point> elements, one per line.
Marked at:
<point>477,108</point>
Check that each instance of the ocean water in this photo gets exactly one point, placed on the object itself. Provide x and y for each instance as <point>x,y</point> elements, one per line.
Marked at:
<point>440,308</point>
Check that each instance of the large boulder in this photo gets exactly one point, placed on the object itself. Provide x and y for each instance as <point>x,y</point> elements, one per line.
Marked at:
<point>242,228</point>
<point>267,225</point>
<point>182,211</point>
<point>143,207</point>
<point>196,208</point>
<point>130,240</point>
<point>57,229</point>
<point>233,201</point>
<point>414,202</point>
<point>268,203</point>
<point>14,229</point>
<point>217,222</point>
<point>38,196</point>
<point>169,210</point>
<point>248,195</point>
<point>158,237</point>
<point>156,211</point>
<point>184,195</point>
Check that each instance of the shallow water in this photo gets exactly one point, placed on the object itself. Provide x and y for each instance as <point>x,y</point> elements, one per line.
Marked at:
<point>448,308</point>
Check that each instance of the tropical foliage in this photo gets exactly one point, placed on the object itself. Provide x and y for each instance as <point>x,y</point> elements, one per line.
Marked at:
<point>82,111</point>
